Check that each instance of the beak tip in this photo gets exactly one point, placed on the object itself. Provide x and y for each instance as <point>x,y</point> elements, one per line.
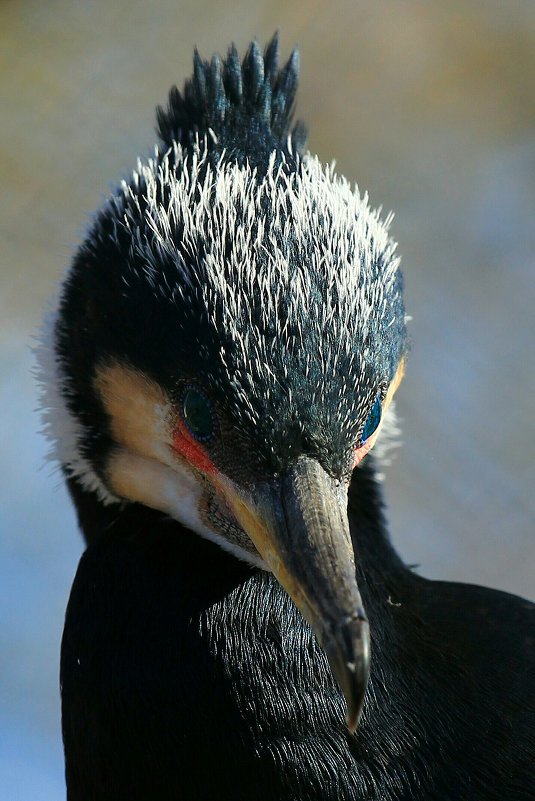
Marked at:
<point>353,719</point>
<point>358,672</point>
<point>355,705</point>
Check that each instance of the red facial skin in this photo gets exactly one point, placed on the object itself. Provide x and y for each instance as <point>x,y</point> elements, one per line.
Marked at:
<point>188,447</point>
<point>361,452</point>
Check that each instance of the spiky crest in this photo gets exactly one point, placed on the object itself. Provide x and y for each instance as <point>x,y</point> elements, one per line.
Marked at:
<point>233,103</point>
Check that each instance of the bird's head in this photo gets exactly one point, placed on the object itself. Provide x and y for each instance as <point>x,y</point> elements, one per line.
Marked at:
<point>228,339</point>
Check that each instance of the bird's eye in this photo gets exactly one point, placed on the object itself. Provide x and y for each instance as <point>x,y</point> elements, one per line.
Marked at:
<point>198,414</point>
<point>374,418</point>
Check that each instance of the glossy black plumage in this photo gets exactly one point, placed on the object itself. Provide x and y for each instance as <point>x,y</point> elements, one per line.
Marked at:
<point>186,674</point>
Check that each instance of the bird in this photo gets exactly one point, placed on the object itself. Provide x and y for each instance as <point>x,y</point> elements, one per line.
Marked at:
<point>222,360</point>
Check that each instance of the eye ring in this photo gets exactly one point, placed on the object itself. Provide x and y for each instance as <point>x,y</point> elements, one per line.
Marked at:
<point>197,414</point>
<point>372,421</point>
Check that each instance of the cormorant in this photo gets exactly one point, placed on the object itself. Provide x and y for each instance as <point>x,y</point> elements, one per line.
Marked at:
<point>227,344</point>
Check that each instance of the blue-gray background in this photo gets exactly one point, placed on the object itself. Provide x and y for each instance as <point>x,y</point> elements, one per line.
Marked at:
<point>429,105</point>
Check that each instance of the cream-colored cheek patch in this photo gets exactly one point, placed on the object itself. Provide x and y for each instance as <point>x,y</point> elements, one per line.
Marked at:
<point>139,410</point>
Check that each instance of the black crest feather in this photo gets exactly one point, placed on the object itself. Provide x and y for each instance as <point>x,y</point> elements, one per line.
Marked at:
<point>238,102</point>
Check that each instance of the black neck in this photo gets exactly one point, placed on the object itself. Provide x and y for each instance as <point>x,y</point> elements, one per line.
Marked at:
<point>167,633</point>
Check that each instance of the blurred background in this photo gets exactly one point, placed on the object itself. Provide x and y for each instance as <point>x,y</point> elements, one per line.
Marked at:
<point>428,105</point>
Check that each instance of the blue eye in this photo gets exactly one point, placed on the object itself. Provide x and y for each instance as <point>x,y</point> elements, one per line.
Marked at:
<point>198,414</point>
<point>374,418</point>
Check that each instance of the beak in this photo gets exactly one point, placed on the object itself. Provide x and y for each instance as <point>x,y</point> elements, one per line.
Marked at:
<point>300,527</point>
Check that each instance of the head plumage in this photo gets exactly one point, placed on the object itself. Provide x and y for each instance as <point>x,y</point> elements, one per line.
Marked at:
<point>234,260</point>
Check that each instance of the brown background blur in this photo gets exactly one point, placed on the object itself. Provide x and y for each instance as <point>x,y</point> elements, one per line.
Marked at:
<point>431,107</point>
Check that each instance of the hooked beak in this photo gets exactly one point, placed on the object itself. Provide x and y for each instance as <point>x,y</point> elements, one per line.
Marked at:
<point>300,527</point>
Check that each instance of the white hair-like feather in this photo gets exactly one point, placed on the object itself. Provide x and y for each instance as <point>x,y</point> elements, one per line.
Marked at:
<point>254,232</point>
